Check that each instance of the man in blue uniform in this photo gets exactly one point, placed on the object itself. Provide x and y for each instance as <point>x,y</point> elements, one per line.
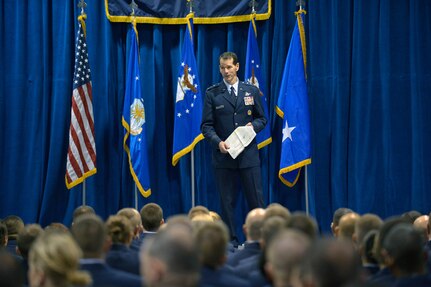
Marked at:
<point>228,105</point>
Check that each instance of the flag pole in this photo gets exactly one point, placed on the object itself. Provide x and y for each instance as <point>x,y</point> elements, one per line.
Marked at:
<point>84,193</point>
<point>136,196</point>
<point>300,4</point>
<point>307,209</point>
<point>192,158</point>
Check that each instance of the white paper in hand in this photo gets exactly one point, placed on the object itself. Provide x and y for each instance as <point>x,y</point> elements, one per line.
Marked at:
<point>239,139</point>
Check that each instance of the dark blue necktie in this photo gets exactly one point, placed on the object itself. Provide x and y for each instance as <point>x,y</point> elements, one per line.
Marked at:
<point>232,92</point>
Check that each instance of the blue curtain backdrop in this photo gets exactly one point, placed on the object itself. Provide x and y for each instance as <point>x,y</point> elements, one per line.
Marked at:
<point>369,78</point>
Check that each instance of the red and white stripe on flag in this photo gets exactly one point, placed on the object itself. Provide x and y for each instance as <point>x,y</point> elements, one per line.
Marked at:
<point>81,156</point>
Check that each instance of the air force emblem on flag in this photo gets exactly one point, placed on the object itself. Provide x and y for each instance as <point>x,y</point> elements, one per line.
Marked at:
<point>137,116</point>
<point>185,83</point>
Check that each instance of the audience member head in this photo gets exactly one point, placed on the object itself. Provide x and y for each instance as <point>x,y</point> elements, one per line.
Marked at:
<point>336,219</point>
<point>332,262</point>
<point>54,261</point>
<point>366,248</point>
<point>135,219</point>
<point>403,251</point>
<point>3,235</point>
<point>387,225</point>
<point>197,210</point>
<point>170,256</point>
<point>91,235</point>
<point>271,226</point>
<point>276,209</point>
<point>81,210</point>
<point>421,223</point>
<point>14,225</point>
<point>347,226</point>
<point>120,229</point>
<point>365,224</point>
<point>301,222</point>
<point>284,256</point>
<point>215,216</point>
<point>57,226</point>
<point>11,273</point>
<point>152,217</point>
<point>26,238</point>
<point>252,227</point>
<point>410,216</point>
<point>211,241</point>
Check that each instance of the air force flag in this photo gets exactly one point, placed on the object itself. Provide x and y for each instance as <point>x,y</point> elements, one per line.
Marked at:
<point>135,142</point>
<point>253,75</point>
<point>188,102</point>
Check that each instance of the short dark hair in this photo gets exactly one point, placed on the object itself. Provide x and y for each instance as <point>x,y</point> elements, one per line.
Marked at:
<point>405,244</point>
<point>229,55</point>
<point>339,213</point>
<point>90,233</point>
<point>152,216</point>
<point>26,238</point>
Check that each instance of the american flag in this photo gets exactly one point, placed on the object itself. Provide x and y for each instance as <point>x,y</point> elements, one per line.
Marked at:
<point>81,156</point>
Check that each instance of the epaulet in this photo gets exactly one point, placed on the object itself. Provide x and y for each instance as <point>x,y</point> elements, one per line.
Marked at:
<point>248,84</point>
<point>213,87</point>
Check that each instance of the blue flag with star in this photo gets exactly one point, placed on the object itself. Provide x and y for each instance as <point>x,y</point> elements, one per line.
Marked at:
<point>292,106</point>
<point>253,75</point>
<point>134,121</point>
<point>188,102</point>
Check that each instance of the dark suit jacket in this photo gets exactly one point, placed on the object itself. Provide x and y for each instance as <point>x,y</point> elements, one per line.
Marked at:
<point>123,258</point>
<point>250,249</point>
<point>136,243</point>
<point>220,278</point>
<point>105,276</point>
<point>222,115</point>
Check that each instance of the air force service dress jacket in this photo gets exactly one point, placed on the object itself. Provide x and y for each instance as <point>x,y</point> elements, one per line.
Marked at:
<point>223,113</point>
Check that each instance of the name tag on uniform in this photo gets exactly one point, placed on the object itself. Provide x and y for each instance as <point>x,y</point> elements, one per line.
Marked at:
<point>219,107</point>
<point>249,101</point>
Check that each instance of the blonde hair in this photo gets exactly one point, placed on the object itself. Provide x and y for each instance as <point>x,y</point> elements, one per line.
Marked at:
<point>57,255</point>
<point>120,229</point>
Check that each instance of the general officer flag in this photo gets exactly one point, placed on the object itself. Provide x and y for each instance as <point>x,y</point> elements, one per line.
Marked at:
<point>253,75</point>
<point>292,106</point>
<point>134,121</point>
<point>188,103</point>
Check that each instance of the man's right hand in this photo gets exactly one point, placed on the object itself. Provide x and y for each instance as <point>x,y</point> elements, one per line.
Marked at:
<point>223,147</point>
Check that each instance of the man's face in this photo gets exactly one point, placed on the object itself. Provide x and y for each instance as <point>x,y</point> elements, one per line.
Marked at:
<point>228,70</point>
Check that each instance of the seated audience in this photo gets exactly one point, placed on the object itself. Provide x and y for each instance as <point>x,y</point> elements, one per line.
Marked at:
<point>170,257</point>
<point>14,225</point>
<point>301,222</point>
<point>365,224</point>
<point>336,219</point>
<point>54,262</point>
<point>284,256</point>
<point>26,238</point>
<point>81,210</point>
<point>366,251</point>
<point>211,239</point>
<point>252,230</point>
<point>421,223</point>
<point>91,235</point>
<point>405,256</point>
<point>120,257</point>
<point>331,262</point>
<point>347,226</point>
<point>11,273</point>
